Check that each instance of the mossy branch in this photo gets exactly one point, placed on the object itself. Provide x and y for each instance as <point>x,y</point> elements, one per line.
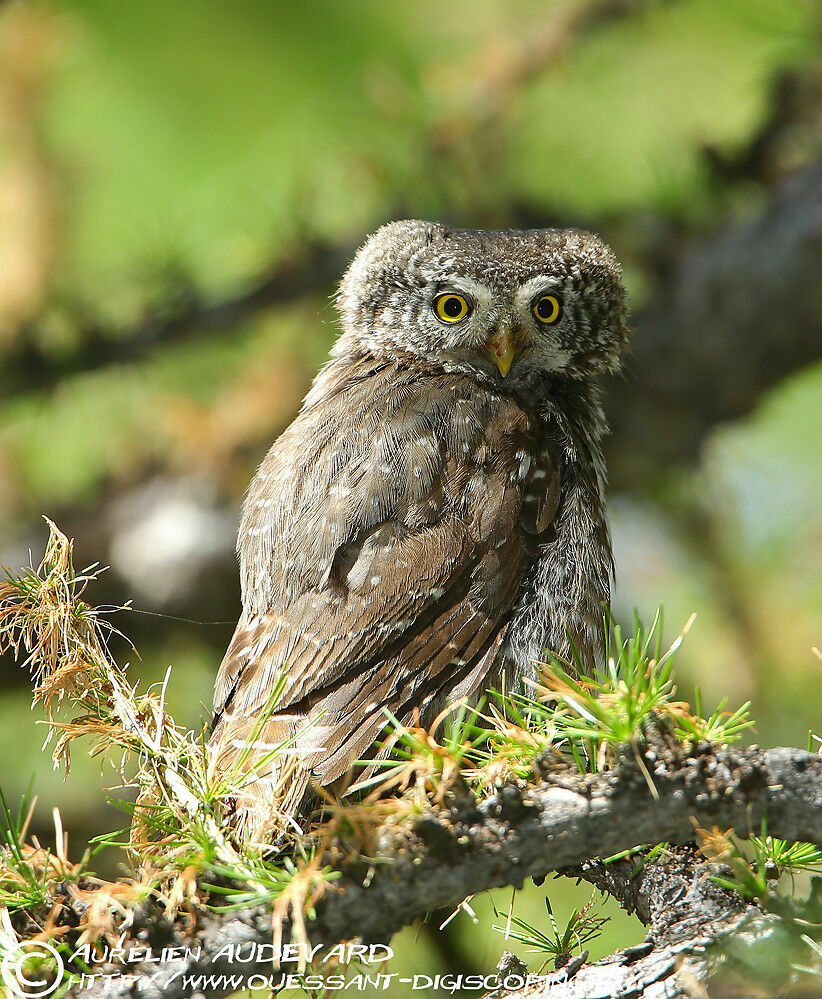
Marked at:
<point>447,854</point>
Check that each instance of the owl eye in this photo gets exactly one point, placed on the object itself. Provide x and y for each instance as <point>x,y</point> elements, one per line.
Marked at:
<point>547,309</point>
<point>450,307</point>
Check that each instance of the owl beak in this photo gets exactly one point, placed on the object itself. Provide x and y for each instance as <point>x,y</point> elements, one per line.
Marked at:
<point>501,348</point>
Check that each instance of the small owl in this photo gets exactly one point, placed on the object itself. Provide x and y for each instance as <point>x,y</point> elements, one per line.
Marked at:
<point>432,522</point>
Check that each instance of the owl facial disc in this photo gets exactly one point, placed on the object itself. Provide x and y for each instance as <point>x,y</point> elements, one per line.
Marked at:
<point>509,305</point>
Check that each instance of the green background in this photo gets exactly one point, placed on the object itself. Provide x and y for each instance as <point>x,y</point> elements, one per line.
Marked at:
<point>164,159</point>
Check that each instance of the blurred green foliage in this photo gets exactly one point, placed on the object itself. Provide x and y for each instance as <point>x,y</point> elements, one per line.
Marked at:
<point>204,136</point>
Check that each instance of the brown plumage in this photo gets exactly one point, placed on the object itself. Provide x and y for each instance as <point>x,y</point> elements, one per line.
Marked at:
<point>425,525</point>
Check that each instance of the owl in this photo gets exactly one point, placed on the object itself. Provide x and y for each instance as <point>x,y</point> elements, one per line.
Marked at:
<point>432,523</point>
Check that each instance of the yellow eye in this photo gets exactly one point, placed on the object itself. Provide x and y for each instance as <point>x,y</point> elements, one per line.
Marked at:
<point>450,307</point>
<point>547,309</point>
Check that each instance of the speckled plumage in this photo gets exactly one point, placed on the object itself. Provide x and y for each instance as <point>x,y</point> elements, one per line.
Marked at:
<point>425,525</point>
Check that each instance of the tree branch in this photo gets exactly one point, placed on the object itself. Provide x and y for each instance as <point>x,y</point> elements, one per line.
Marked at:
<point>686,913</point>
<point>738,312</point>
<point>520,832</point>
<point>310,269</point>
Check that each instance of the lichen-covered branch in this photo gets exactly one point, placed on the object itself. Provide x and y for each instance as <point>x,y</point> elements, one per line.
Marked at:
<point>444,856</point>
<point>685,912</point>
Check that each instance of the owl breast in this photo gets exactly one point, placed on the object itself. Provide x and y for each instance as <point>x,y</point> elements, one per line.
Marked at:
<point>385,544</point>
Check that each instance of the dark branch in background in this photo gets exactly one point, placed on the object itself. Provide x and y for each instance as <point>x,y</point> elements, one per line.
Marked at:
<point>520,833</point>
<point>28,368</point>
<point>794,103</point>
<point>740,311</point>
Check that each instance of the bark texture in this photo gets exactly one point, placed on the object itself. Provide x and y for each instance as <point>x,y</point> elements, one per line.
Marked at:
<point>566,820</point>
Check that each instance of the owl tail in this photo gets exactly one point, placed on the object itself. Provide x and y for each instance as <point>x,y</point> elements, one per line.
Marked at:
<point>262,776</point>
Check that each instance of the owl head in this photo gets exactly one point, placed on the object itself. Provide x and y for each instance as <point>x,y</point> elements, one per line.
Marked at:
<point>506,305</point>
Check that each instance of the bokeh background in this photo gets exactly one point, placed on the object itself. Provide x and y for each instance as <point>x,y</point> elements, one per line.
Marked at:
<point>182,183</point>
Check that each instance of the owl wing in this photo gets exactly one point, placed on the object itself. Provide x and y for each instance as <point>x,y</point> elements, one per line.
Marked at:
<point>382,551</point>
